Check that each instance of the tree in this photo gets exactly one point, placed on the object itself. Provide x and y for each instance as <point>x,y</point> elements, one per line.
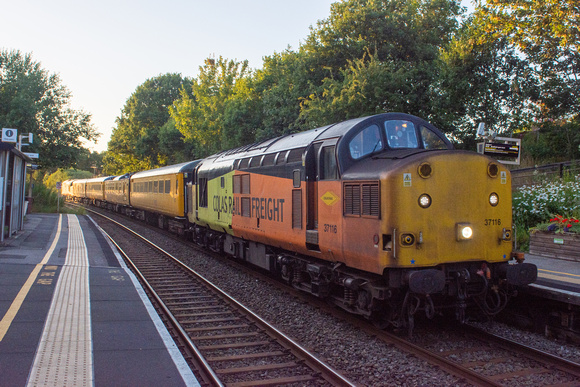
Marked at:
<point>34,101</point>
<point>50,180</point>
<point>483,81</point>
<point>135,143</point>
<point>393,30</point>
<point>199,115</point>
<point>381,55</point>
<point>546,34</point>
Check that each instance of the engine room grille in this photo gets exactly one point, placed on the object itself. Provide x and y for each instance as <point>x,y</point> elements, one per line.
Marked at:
<point>362,199</point>
<point>297,208</point>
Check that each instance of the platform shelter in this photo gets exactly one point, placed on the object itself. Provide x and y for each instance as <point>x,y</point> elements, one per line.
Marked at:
<point>12,189</point>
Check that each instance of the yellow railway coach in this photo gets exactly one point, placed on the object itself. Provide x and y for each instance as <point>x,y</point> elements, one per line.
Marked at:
<point>66,189</point>
<point>117,192</point>
<point>95,190</point>
<point>159,194</point>
<point>78,189</point>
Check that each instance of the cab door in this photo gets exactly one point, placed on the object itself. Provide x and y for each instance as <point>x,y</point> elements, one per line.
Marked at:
<point>324,216</point>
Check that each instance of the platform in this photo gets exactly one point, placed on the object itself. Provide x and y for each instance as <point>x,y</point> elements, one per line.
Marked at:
<point>558,279</point>
<point>72,314</point>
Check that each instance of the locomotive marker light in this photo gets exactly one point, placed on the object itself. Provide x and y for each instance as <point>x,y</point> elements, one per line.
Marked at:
<point>464,231</point>
<point>424,201</point>
<point>493,199</point>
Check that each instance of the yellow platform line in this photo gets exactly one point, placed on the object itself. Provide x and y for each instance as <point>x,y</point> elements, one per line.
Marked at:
<point>560,278</point>
<point>17,303</point>
<point>559,272</point>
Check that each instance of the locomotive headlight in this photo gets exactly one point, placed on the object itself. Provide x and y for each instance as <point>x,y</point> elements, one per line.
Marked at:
<point>464,231</point>
<point>424,201</point>
<point>493,199</point>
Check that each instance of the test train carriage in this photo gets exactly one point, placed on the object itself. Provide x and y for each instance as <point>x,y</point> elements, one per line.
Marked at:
<point>378,214</point>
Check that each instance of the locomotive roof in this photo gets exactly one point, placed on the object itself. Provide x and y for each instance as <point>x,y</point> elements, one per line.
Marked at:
<point>303,139</point>
<point>188,166</point>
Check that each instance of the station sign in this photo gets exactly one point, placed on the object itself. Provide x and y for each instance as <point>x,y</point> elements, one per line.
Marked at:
<point>9,135</point>
<point>31,155</point>
<point>506,150</point>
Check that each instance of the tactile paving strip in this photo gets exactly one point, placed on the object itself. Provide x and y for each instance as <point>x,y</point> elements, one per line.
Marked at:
<point>64,356</point>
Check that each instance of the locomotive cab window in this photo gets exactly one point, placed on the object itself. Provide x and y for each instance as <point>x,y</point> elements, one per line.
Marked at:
<point>431,140</point>
<point>328,167</point>
<point>366,142</point>
<point>203,192</point>
<point>401,134</point>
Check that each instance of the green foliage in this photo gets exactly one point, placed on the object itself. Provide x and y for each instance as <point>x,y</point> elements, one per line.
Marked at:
<point>50,180</point>
<point>34,101</point>
<point>546,35</point>
<point>46,200</point>
<point>500,66</point>
<point>199,116</point>
<point>135,143</point>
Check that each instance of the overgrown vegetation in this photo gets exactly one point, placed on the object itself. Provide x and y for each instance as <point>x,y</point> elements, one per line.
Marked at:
<point>45,195</point>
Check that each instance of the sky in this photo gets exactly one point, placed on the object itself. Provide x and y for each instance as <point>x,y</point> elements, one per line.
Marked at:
<point>103,50</point>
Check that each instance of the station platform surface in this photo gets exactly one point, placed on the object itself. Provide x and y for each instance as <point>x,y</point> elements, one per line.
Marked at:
<point>558,279</point>
<point>72,314</point>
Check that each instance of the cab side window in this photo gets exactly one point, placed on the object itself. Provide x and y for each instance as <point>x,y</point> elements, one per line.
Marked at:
<point>329,169</point>
<point>366,142</point>
<point>431,140</point>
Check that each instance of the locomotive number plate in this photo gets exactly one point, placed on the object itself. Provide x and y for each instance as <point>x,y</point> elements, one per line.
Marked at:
<point>331,228</point>
<point>493,222</point>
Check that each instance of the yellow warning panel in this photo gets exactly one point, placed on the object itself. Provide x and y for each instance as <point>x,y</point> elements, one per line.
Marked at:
<point>329,198</point>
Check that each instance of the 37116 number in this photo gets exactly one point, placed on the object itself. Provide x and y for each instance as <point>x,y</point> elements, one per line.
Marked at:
<point>331,228</point>
<point>493,222</point>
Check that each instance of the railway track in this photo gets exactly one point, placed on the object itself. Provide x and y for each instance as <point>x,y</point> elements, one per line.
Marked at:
<point>230,345</point>
<point>473,356</point>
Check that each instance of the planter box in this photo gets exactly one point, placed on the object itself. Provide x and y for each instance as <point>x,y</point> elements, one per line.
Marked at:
<point>561,246</point>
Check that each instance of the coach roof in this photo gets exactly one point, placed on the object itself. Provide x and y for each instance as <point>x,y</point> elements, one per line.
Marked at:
<point>186,167</point>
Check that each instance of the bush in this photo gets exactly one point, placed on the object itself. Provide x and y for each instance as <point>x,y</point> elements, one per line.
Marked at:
<point>46,199</point>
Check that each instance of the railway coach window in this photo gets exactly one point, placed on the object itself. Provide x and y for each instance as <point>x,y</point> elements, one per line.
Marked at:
<point>366,142</point>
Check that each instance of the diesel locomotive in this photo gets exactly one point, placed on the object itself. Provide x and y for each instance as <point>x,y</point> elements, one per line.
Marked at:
<point>379,215</point>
